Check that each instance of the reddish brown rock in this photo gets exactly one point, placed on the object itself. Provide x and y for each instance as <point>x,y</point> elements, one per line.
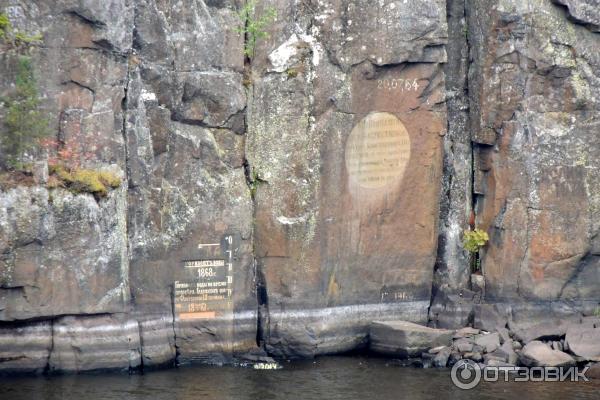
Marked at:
<point>531,86</point>
<point>346,214</point>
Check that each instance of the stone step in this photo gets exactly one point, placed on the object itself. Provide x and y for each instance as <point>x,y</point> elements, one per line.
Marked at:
<point>406,339</point>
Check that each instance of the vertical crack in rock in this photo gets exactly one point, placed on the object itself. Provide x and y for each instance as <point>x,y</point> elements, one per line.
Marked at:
<point>173,325</point>
<point>451,274</point>
<point>47,369</point>
<point>262,329</point>
<point>141,349</point>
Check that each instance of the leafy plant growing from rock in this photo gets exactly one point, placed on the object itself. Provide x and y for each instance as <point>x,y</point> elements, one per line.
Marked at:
<point>4,26</point>
<point>253,182</point>
<point>24,123</point>
<point>253,27</point>
<point>473,242</point>
<point>16,38</point>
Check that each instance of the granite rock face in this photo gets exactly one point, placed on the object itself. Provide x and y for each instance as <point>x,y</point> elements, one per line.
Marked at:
<point>283,203</point>
<point>534,122</point>
<point>337,243</point>
<point>585,12</point>
<point>38,227</point>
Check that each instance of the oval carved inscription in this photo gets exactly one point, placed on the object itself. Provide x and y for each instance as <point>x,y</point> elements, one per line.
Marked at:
<point>377,151</point>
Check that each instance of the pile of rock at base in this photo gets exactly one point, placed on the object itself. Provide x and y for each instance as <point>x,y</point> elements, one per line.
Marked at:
<point>576,343</point>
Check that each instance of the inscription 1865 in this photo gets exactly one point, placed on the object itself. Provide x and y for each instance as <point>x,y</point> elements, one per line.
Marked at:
<point>208,290</point>
<point>377,151</point>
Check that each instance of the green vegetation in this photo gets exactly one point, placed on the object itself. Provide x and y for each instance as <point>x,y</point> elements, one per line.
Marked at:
<point>24,123</point>
<point>16,38</point>
<point>81,180</point>
<point>597,312</point>
<point>253,27</point>
<point>5,26</point>
<point>473,242</point>
<point>22,38</point>
<point>291,72</point>
<point>254,181</point>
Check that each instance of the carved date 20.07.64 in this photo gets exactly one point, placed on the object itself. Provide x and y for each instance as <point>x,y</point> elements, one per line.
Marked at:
<point>404,85</point>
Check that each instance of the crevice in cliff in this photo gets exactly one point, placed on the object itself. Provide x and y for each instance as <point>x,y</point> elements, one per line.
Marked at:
<point>86,19</point>
<point>47,368</point>
<point>262,318</point>
<point>252,181</point>
<point>141,350</point>
<point>177,353</point>
<point>456,196</point>
<point>573,18</point>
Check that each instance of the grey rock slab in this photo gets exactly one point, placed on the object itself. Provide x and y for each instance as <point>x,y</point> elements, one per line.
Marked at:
<point>584,340</point>
<point>95,343</point>
<point>489,342</point>
<point>466,332</point>
<point>406,339</point>
<point>463,345</point>
<point>541,331</point>
<point>475,356</point>
<point>586,12</point>
<point>441,358</point>
<point>539,354</point>
<point>24,348</point>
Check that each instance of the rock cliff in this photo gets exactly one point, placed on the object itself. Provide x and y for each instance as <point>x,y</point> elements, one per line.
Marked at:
<point>279,204</point>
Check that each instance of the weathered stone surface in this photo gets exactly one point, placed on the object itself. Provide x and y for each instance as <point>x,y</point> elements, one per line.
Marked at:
<point>489,342</point>
<point>162,102</point>
<point>463,345</point>
<point>498,363</point>
<point>586,12</point>
<point>594,371</point>
<point>542,331</point>
<point>490,317</point>
<point>441,358</point>
<point>25,347</point>
<point>188,188</point>
<point>452,267</point>
<point>475,356</point>
<point>452,310</point>
<point>330,234</point>
<point>157,340</point>
<point>95,343</point>
<point>405,339</point>
<point>383,33</point>
<point>533,76</point>
<point>584,339</point>
<point>466,332</point>
<point>318,245</point>
<point>37,227</point>
<point>506,353</point>
<point>64,253</point>
<point>330,330</point>
<point>539,354</point>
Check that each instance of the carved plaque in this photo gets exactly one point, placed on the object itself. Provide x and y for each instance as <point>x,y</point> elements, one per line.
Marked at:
<point>377,151</point>
<point>208,292</point>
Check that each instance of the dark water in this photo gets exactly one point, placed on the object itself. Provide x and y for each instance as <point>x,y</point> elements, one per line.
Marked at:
<point>330,378</point>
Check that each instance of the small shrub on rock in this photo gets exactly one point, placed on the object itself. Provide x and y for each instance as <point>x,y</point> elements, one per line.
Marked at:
<point>474,240</point>
<point>80,180</point>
